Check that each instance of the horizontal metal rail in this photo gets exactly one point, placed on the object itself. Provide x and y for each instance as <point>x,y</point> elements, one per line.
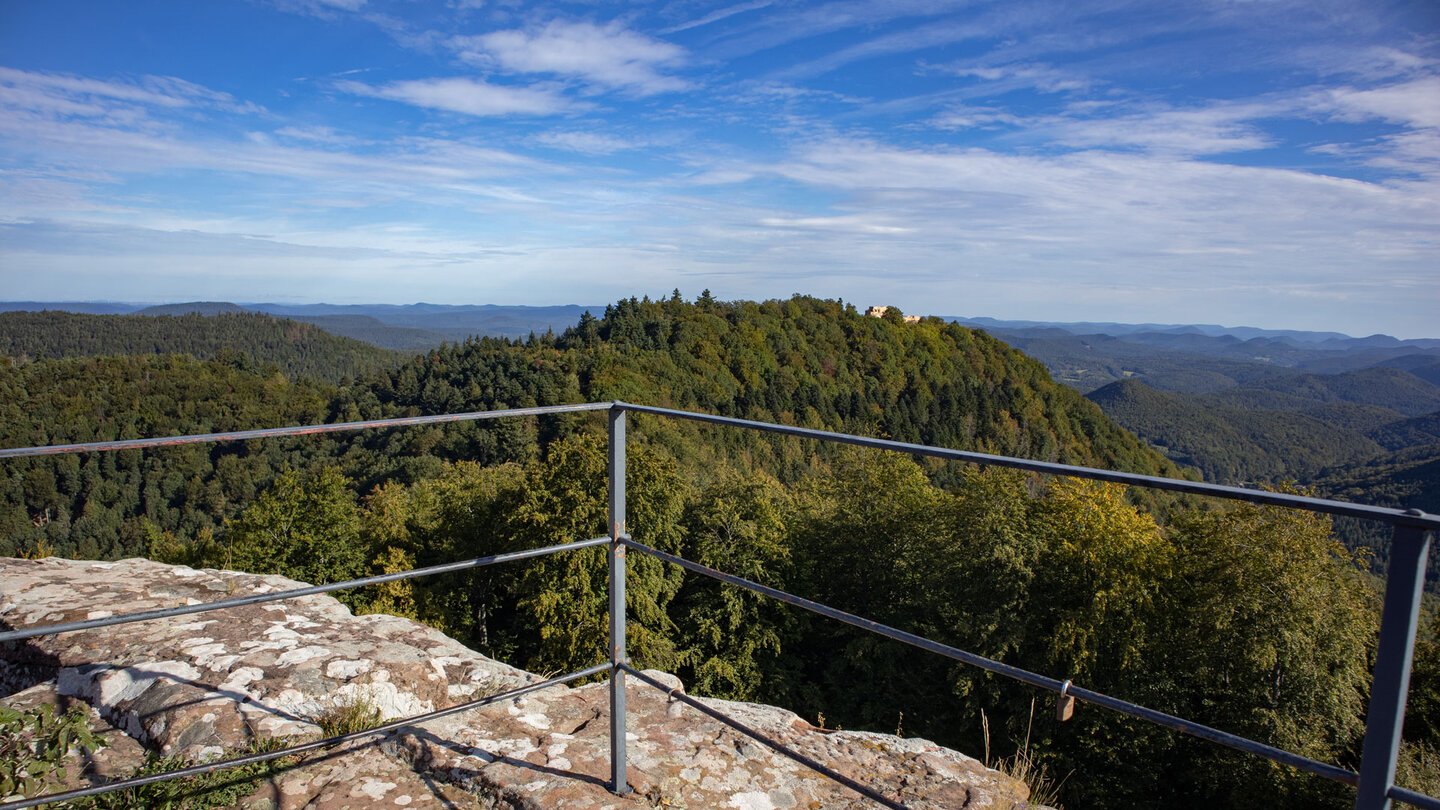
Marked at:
<point>253,599</point>
<point>1410,797</point>
<point>855,621</point>
<point>1412,524</point>
<point>1412,517</point>
<point>1025,676</point>
<point>813,765</point>
<point>1397,516</point>
<point>251,759</point>
<point>299,430</point>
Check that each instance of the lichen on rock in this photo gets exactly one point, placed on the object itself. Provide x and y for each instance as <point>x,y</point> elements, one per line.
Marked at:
<point>199,684</point>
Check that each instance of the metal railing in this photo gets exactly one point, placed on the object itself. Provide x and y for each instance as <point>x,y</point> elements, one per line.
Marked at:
<point>1375,787</point>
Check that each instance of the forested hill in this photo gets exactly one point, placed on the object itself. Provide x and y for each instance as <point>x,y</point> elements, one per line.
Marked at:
<point>804,361</point>
<point>297,349</point>
<point>1231,445</point>
<point>1244,618</point>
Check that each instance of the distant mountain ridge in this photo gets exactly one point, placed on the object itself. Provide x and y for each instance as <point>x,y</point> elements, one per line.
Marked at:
<point>207,308</point>
<point>1231,445</point>
<point>1287,426</point>
<point>399,327</point>
<point>1242,333</point>
<point>511,319</point>
<point>242,339</point>
<point>1199,363</point>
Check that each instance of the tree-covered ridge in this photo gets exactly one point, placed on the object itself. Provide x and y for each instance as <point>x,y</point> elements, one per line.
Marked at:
<point>1413,432</point>
<point>802,361</point>
<point>1231,445</point>
<point>1404,479</point>
<point>98,505</point>
<point>805,361</point>
<point>1199,359</point>
<point>297,349</point>
<point>1384,387</point>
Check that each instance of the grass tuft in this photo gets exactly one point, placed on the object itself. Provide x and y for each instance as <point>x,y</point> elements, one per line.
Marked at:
<point>1025,766</point>
<point>348,715</point>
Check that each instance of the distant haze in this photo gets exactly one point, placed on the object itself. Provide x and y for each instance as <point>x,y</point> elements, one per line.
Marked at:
<point>421,325</point>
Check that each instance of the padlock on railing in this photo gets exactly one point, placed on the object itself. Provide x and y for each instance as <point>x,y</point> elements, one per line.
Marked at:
<point>1065,704</point>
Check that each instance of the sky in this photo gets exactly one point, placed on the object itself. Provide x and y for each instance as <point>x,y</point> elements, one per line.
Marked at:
<point>1270,163</point>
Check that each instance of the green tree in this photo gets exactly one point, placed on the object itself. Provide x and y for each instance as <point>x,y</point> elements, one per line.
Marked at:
<point>730,637</point>
<point>305,527</point>
<point>1263,631</point>
<point>462,513</point>
<point>562,597</point>
<point>862,544</point>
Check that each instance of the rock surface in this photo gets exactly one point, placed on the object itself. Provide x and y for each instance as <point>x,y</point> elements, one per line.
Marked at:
<point>207,683</point>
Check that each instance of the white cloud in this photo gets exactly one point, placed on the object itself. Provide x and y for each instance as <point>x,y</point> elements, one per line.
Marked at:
<point>110,148</point>
<point>966,116</point>
<point>324,9</point>
<point>1203,130</point>
<point>804,22</point>
<point>716,16</point>
<point>1131,219</point>
<point>1200,131</point>
<point>315,134</point>
<point>919,38</point>
<point>844,224</point>
<point>608,55</point>
<point>1414,103</point>
<point>75,95</point>
<point>1376,63</point>
<point>1005,78</point>
<point>589,143</point>
<point>468,96</point>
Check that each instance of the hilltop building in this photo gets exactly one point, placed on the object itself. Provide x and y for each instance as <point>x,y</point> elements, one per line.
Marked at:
<point>877,312</point>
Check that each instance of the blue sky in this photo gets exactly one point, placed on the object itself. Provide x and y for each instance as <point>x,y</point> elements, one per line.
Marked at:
<point>1260,162</point>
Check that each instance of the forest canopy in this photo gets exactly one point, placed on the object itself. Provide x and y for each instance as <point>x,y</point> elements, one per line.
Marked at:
<point>1255,620</point>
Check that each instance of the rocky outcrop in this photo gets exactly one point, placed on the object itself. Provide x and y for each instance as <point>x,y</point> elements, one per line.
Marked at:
<point>202,684</point>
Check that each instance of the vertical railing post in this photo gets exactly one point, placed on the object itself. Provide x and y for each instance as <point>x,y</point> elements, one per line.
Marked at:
<point>619,784</point>
<point>1393,655</point>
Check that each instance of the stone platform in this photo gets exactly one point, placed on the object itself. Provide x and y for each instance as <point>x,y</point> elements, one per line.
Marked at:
<point>207,683</point>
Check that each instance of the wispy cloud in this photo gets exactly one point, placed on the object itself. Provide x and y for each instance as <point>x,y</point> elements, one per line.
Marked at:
<point>914,39</point>
<point>468,96</point>
<point>801,22</point>
<point>850,223</point>
<point>1212,129</point>
<point>1208,130</point>
<point>589,143</point>
<point>718,15</point>
<point>610,55</point>
<point>980,203</point>
<point>91,133</point>
<point>996,79</point>
<point>77,95</point>
<point>969,116</point>
<point>1376,63</point>
<point>324,9</point>
<point>1413,103</point>
<point>1413,106</point>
